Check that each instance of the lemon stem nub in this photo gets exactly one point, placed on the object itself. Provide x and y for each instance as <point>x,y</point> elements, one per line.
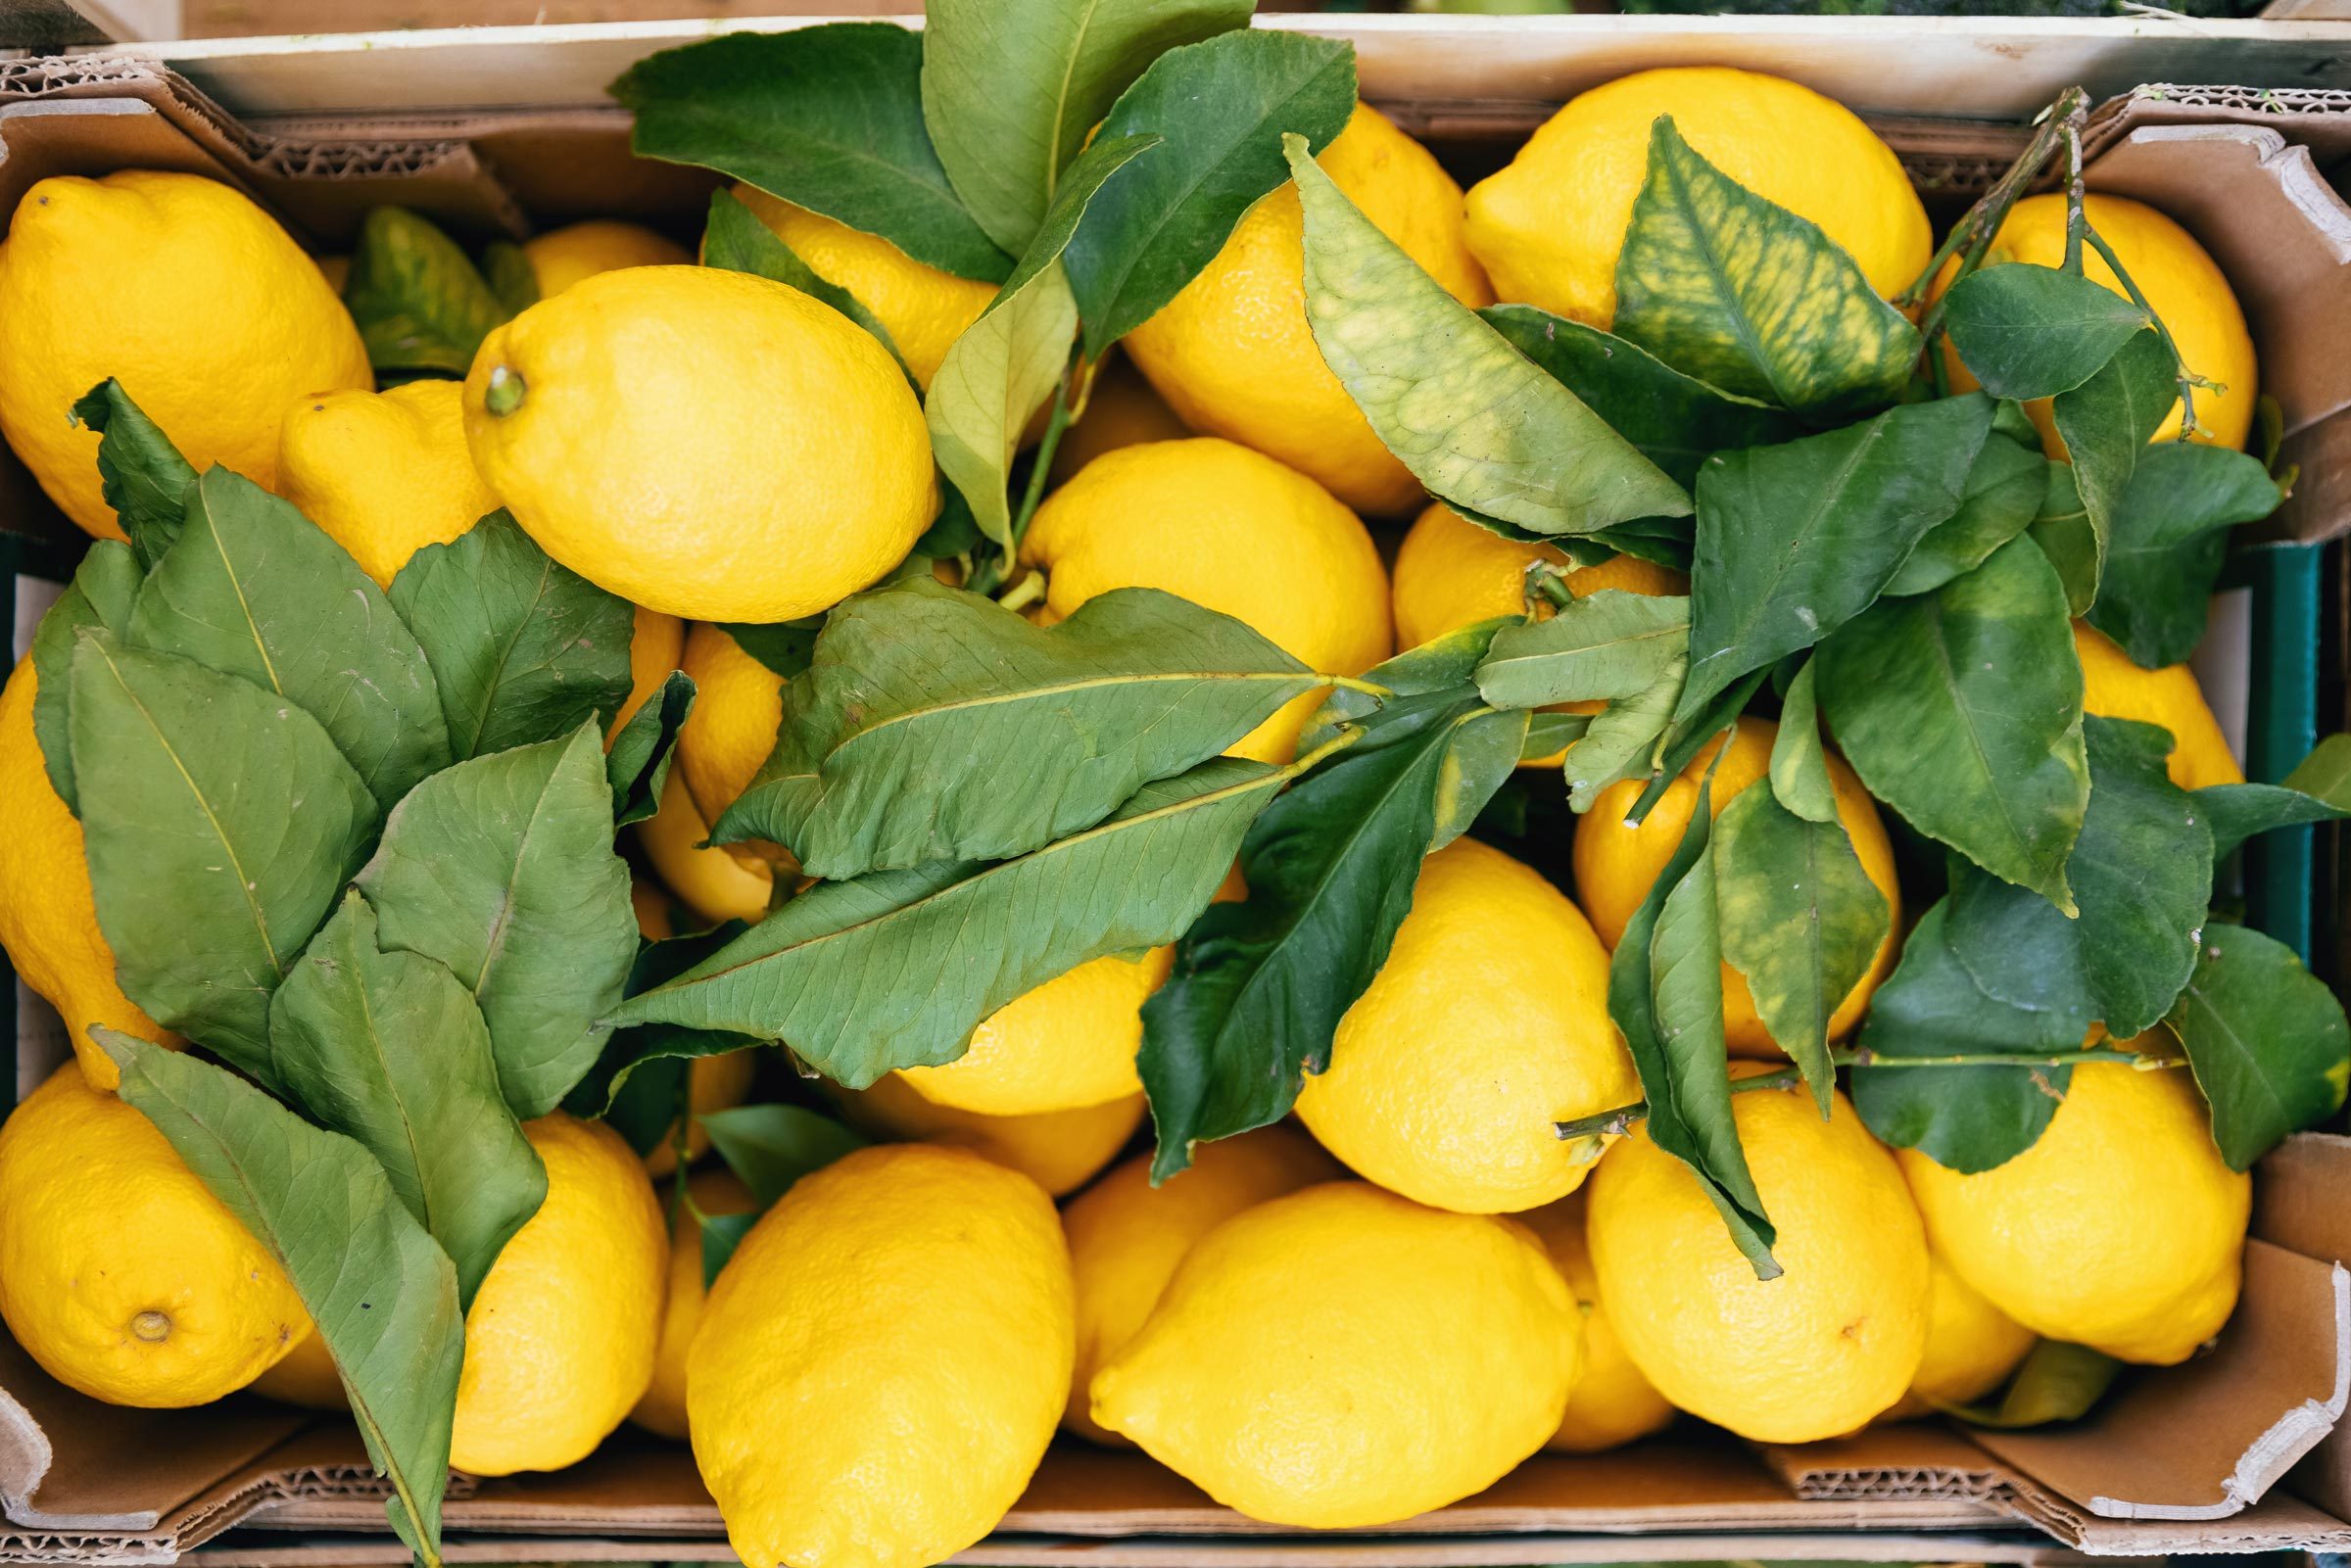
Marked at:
<point>505,393</point>
<point>151,1326</point>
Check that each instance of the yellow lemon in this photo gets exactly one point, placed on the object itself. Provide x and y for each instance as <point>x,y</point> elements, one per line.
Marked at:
<point>2114,687</point>
<point>1972,1347</point>
<point>1126,1237</point>
<point>923,309</point>
<point>120,1272</point>
<point>2121,1228</point>
<point>48,912</point>
<point>213,320</point>
<point>1069,1042</point>
<point>1232,353</point>
<point>1122,410</point>
<point>1234,530</point>
<point>383,473</point>
<point>1058,1150</point>
<point>1488,1022</point>
<point>1549,225</point>
<point>1819,1351</point>
<point>2179,280</point>
<point>1615,866</point>
<point>716,884</point>
<point>714,1193</point>
<point>563,256</point>
<point>1439,1354</point>
<point>738,704</point>
<point>1613,1403</point>
<point>657,649</point>
<point>306,1376</point>
<point>559,1340</point>
<point>880,1365</point>
<point>703,443</point>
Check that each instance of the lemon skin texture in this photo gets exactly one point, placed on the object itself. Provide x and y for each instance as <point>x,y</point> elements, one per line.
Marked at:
<point>1439,1354</point>
<point>119,1273</point>
<point>1233,355</point>
<point>2114,687</point>
<point>880,1365</point>
<point>657,649</point>
<point>560,1340</point>
<point>662,1410</point>
<point>2121,1228</point>
<point>1972,1347</point>
<point>1061,1151</point>
<point>714,883</point>
<point>382,473</point>
<point>1069,1042</point>
<point>1549,226</point>
<point>305,1377</point>
<point>210,316</point>
<point>563,256</point>
<point>1815,1354</point>
<point>1488,1023</point>
<point>703,443</point>
<point>1612,1404</point>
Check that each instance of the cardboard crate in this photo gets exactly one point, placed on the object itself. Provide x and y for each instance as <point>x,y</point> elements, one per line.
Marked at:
<point>497,132</point>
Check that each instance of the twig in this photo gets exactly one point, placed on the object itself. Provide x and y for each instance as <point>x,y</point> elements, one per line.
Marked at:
<point>1974,231</point>
<point>1546,584</point>
<point>1055,423</point>
<point>1370,689</point>
<point>1026,591</point>
<point>2076,218</point>
<point>2187,378</point>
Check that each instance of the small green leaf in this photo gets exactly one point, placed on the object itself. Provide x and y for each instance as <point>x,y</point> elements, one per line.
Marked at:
<point>140,473</point>
<point>2237,812</point>
<point>1684,738</point>
<point>2267,1039</point>
<point>2028,331</point>
<point>1742,293</point>
<point>2326,772</point>
<point>2057,1381</point>
<point>827,118</point>
<point>638,763</point>
<point>721,1235</point>
<point>421,304</point>
<point>2106,422</point>
<point>2061,529</point>
<point>733,238</point>
<point>772,1146</point>
<point>784,646</point>
<point>1550,734</point>
<point>105,586</point>
<point>1473,418</point>
<point>1624,740</point>
<point>1799,765</point>
<point>514,281</point>
<point>1602,646</point>
<point>639,1083</point>
<point>2170,536</point>
<point>2004,495</point>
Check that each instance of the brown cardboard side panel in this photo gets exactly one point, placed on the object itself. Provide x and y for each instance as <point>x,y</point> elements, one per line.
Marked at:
<point>1908,1459</point>
<point>2298,1203</point>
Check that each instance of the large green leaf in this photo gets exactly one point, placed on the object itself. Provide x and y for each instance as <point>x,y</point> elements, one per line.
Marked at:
<point>1011,88</point>
<point>2106,422</point>
<point>1222,106</point>
<point>2004,495</point>
<point>140,473</point>
<point>1794,541</point>
<point>640,1081</point>
<point>420,302</point>
<point>828,117</point>
<point>733,238</point>
<point>2237,812</point>
<point>1599,646</point>
<point>220,822</point>
<point>105,586</point>
<point>2028,331</point>
<point>1681,741</point>
<point>1962,710</point>
<point>523,648</point>
<point>863,977</point>
<point>2169,536</point>
<point>935,724</point>
<point>2266,1040</point>
<point>2326,772</point>
<point>502,869</point>
<point>390,1049</point>
<point>253,589</point>
<point>1745,295</point>
<point>1473,418</point>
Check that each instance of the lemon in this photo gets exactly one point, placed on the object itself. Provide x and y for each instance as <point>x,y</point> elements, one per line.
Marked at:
<point>1122,410</point>
<point>2121,1228</point>
<point>703,443</point>
<point>48,912</point>
<point>563,256</point>
<point>1972,1347</point>
<point>1819,1351</point>
<point>383,473</point>
<point>1058,1150</point>
<point>923,309</point>
<point>1488,1022</point>
<point>1612,1404</point>
<point>213,320</point>
<point>1438,1351</point>
<point>1233,353</point>
<point>880,1365</point>
<point>2181,281</point>
<point>1229,529</point>
<point>1126,1237</point>
<point>656,651</point>
<point>1615,866</point>
<point>1069,1042</point>
<point>119,1273</point>
<point>2114,687</point>
<point>306,1376</point>
<point>714,1193</point>
<point>738,705</point>
<point>714,883</point>
<point>1549,225</point>
<point>559,1340</point>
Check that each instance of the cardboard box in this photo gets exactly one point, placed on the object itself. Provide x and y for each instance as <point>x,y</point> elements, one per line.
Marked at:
<point>500,131</point>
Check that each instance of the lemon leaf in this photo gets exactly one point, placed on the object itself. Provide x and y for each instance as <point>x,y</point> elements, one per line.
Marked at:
<point>640,1079</point>
<point>2057,1381</point>
<point>140,473</point>
<point>420,302</point>
<point>784,646</point>
<point>2169,536</point>
<point>383,1296</point>
<point>1602,645</point>
<point>772,1146</point>
<point>2027,331</point>
<point>827,118</point>
<point>388,1048</point>
<point>1745,295</point>
<point>2267,1039</point>
<point>2326,772</point>
<point>1627,738</point>
<point>1800,767</point>
<point>514,281</point>
<point>733,238</point>
<point>2237,812</point>
<point>2107,423</point>
<point>1684,738</point>
<point>637,759</point>
<point>2062,530</point>
<point>1473,418</point>
<point>2004,494</point>
<point>104,587</point>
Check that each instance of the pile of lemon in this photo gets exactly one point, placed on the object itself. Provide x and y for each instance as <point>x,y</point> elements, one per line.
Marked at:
<point>1369,1314</point>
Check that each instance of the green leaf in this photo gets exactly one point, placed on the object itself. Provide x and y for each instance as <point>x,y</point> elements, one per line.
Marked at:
<point>2061,529</point>
<point>1548,734</point>
<point>2004,495</point>
<point>936,725</point>
<point>253,589</point>
<point>2027,331</point>
<point>2266,1040</point>
<point>502,869</point>
<point>1475,420</point>
<point>1794,541</point>
<point>1001,371</point>
<point>523,649</point>
<point>2106,422</point>
<point>140,473</point>
<point>1745,295</point>
<point>383,1296</point>
<point>105,586</point>
<point>827,118</point>
<point>1962,710</point>
<point>863,977</point>
<point>220,822</point>
<point>1011,88</point>
<point>419,303</point>
<point>390,1049</point>
<point>1676,420</point>
<point>1800,918</point>
<point>514,281</point>
<point>2326,772</point>
<point>733,238</point>
<point>640,1081</point>
<point>1599,646</point>
<point>1684,738</point>
<point>2170,536</point>
<point>637,764</point>
<point>2237,812</point>
<point>1799,765</point>
<point>1624,740</point>
<point>1222,106</point>
<point>721,1235</point>
<point>772,1146</point>
<point>2057,1381</point>
<point>784,646</point>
